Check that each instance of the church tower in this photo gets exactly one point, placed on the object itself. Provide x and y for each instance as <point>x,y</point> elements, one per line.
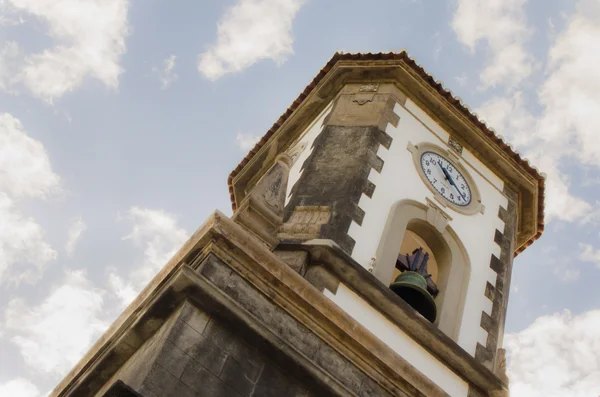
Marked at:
<point>369,254</point>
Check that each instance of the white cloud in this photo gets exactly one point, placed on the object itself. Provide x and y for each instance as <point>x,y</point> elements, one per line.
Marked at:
<point>168,75</point>
<point>73,235</point>
<point>249,31</point>
<point>19,387</point>
<point>556,356</point>
<point>502,25</point>
<point>54,335</point>
<point>23,249</point>
<point>9,17</point>
<point>125,291</point>
<point>560,203</point>
<point>89,38</point>
<point>592,217</point>
<point>570,93</point>
<point>10,60</point>
<point>25,171</point>
<point>246,141</point>
<point>509,115</point>
<point>461,80</point>
<point>567,275</point>
<point>437,45</point>
<point>566,125</point>
<point>590,180</point>
<point>589,254</point>
<point>157,232</point>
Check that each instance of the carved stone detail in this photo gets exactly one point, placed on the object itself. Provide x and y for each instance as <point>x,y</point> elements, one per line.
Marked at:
<point>436,217</point>
<point>366,105</point>
<point>261,212</point>
<point>366,93</point>
<point>273,191</point>
<point>297,260</point>
<point>457,147</point>
<point>361,99</point>
<point>501,364</point>
<point>305,223</point>
<point>295,152</point>
<point>369,87</point>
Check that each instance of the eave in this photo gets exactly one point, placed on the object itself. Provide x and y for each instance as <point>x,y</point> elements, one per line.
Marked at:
<point>431,96</point>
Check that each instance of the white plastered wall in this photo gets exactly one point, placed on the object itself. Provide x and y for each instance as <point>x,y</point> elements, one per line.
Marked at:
<point>399,180</point>
<point>398,341</point>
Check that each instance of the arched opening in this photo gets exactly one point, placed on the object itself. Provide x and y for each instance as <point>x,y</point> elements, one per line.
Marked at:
<point>408,228</point>
<point>411,242</point>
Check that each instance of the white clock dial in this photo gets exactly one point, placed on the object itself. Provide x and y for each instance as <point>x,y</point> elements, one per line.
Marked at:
<point>446,179</point>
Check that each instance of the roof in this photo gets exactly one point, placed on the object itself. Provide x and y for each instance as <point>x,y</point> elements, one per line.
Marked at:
<point>427,78</point>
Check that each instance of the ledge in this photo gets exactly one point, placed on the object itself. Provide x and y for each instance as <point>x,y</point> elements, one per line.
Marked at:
<point>186,277</point>
<point>361,281</point>
<point>419,87</point>
<point>183,278</point>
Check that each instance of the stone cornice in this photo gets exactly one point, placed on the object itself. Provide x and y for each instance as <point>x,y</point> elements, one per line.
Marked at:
<point>361,281</point>
<point>464,127</point>
<point>182,279</point>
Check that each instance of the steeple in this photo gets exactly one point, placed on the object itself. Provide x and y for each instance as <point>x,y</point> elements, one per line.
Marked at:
<point>376,179</point>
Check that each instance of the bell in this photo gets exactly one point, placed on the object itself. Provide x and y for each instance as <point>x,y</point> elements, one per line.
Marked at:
<point>412,288</point>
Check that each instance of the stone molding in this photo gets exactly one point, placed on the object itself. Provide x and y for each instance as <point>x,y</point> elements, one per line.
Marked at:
<point>240,257</point>
<point>120,389</point>
<point>436,216</point>
<point>337,267</point>
<point>305,223</point>
<point>258,219</point>
<point>454,145</point>
<point>366,105</point>
<point>453,261</point>
<point>491,355</point>
<point>261,212</point>
<point>297,260</point>
<point>501,364</point>
<point>398,74</point>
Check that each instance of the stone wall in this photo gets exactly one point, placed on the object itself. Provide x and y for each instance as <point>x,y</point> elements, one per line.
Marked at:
<point>336,173</point>
<point>195,354</point>
<point>493,323</point>
<point>226,317</point>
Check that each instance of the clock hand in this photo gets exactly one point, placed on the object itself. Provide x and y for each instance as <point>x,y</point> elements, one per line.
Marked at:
<point>451,180</point>
<point>456,187</point>
<point>459,192</point>
<point>443,172</point>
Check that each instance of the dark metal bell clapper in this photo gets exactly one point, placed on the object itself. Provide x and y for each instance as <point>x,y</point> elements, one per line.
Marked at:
<point>414,285</point>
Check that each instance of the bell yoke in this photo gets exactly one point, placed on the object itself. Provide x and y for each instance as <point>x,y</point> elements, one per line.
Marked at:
<point>414,285</point>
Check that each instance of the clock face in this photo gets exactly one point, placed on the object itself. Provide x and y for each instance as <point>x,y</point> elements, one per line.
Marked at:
<point>446,179</point>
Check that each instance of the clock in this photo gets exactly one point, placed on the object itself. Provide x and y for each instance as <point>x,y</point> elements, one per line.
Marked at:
<point>446,179</point>
<point>442,172</point>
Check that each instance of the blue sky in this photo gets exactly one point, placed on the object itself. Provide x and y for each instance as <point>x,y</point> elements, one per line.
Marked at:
<point>121,119</point>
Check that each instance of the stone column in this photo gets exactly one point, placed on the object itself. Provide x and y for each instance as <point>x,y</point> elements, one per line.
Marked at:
<point>324,200</point>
